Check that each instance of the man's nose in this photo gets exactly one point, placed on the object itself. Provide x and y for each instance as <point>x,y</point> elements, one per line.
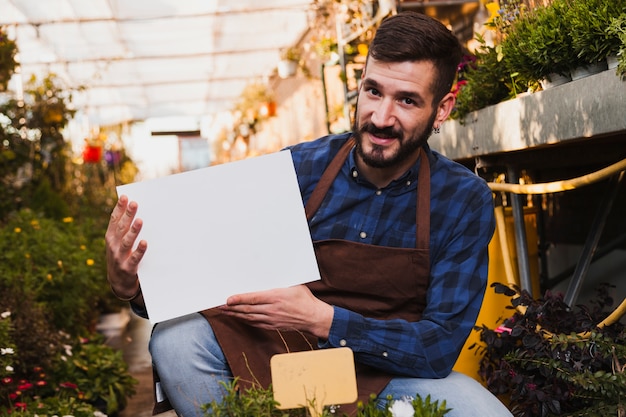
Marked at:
<point>383,116</point>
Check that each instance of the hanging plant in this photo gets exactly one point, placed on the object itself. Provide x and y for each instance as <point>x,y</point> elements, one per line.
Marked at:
<point>254,104</point>
<point>8,49</point>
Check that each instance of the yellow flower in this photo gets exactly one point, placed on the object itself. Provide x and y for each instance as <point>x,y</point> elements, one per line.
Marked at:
<point>49,277</point>
<point>68,219</point>
<point>60,263</point>
<point>27,255</point>
<point>17,230</point>
<point>90,262</point>
<point>493,8</point>
<point>83,247</point>
<point>34,222</point>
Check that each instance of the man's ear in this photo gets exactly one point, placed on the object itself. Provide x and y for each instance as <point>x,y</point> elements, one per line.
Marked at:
<point>444,108</point>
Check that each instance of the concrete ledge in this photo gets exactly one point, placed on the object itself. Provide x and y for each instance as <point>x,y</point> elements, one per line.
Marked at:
<point>585,108</point>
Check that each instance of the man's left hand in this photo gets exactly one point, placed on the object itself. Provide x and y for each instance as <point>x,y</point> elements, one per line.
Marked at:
<point>292,308</point>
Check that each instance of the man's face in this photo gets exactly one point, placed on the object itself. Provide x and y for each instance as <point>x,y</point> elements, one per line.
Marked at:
<point>395,113</point>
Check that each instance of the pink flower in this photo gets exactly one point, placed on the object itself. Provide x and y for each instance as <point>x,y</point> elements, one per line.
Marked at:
<point>502,329</point>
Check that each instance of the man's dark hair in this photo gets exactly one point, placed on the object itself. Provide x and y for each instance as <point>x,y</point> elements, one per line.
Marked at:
<point>412,36</point>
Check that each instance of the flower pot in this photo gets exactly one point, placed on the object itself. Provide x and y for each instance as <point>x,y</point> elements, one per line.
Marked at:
<point>612,62</point>
<point>287,68</point>
<point>587,70</point>
<point>554,80</point>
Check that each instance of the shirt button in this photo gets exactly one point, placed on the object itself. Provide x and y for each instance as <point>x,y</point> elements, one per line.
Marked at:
<point>343,342</point>
<point>385,354</point>
<point>355,174</point>
<point>408,183</point>
<point>378,192</point>
<point>363,235</point>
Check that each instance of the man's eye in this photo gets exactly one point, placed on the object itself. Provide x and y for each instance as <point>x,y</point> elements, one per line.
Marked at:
<point>374,91</point>
<point>408,101</point>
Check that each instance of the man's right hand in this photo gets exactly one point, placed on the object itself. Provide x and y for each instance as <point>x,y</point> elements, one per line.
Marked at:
<point>122,260</point>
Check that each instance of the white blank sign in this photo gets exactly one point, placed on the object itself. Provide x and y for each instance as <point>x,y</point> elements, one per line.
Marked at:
<point>219,231</point>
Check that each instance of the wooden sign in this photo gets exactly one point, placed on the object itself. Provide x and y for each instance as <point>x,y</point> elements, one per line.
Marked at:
<point>314,379</point>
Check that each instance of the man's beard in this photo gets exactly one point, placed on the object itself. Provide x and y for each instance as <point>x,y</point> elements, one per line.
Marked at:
<point>408,146</point>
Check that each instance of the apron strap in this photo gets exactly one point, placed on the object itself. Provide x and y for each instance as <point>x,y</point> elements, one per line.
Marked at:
<point>329,175</point>
<point>422,211</point>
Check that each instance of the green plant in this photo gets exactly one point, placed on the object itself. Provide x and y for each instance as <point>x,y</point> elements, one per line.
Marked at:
<point>54,406</point>
<point>538,43</point>
<point>72,376</point>
<point>617,28</point>
<point>99,372</point>
<point>259,402</point>
<point>548,359</point>
<point>484,80</point>
<point>291,54</point>
<point>588,21</point>
<point>59,264</point>
<point>34,154</point>
<point>8,49</point>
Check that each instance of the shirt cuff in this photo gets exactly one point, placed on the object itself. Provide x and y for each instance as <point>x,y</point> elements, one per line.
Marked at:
<point>346,329</point>
<point>138,310</point>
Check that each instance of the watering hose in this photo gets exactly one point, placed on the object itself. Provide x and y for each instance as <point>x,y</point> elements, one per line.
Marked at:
<point>558,186</point>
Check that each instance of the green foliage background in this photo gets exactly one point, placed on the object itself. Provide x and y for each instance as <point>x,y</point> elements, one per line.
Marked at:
<point>53,214</point>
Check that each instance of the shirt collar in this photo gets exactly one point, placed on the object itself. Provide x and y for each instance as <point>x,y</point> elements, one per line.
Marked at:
<point>407,179</point>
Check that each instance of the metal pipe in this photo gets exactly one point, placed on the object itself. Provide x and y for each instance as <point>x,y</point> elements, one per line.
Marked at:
<point>597,227</point>
<point>521,243</point>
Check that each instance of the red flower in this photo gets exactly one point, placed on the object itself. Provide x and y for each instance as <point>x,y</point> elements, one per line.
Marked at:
<point>40,383</point>
<point>68,385</point>
<point>7,380</point>
<point>458,87</point>
<point>13,395</point>
<point>24,385</point>
<point>20,406</point>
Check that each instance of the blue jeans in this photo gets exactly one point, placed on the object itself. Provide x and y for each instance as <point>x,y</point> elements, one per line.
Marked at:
<point>192,368</point>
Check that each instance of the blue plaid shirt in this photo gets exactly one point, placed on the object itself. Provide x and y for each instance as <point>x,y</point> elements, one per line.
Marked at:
<point>462,224</point>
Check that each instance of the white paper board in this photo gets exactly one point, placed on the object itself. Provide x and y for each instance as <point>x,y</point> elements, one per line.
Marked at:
<point>219,231</point>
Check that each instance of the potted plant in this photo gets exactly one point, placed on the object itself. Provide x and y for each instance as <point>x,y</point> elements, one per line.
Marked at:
<point>617,27</point>
<point>548,359</point>
<point>289,61</point>
<point>484,80</point>
<point>588,21</point>
<point>538,44</point>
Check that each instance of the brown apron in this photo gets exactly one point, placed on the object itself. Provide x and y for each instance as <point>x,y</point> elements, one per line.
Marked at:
<point>375,281</point>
